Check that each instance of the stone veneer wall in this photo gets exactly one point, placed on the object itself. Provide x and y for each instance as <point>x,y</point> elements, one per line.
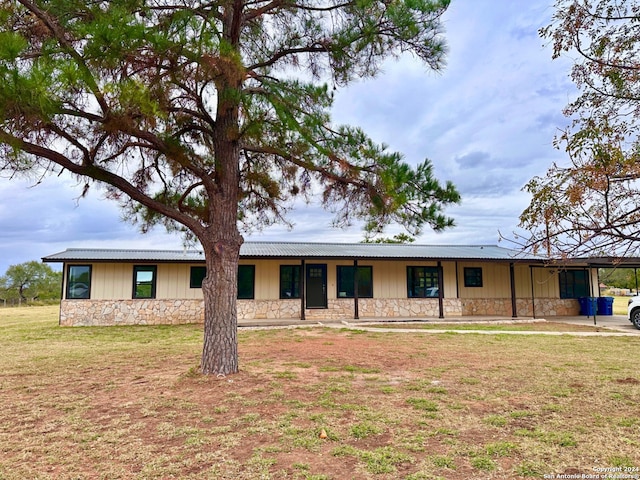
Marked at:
<point>343,308</point>
<point>263,309</point>
<point>130,312</point>
<point>502,307</point>
<point>166,312</point>
<point>550,307</point>
<point>408,307</point>
<point>337,309</point>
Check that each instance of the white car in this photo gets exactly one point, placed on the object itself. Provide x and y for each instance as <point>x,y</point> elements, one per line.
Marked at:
<point>633,311</point>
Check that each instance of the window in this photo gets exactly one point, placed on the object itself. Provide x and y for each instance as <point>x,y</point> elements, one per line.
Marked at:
<point>422,282</point>
<point>197,276</point>
<point>246,281</point>
<point>79,281</point>
<point>144,281</point>
<point>290,281</point>
<point>472,277</point>
<point>573,284</point>
<point>346,281</point>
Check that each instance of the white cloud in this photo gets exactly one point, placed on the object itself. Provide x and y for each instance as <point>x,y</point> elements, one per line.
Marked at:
<point>39,220</point>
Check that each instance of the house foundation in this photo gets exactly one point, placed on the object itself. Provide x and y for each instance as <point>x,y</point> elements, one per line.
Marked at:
<point>186,311</point>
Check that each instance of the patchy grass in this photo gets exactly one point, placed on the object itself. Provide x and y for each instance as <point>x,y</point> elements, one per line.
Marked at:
<point>311,404</point>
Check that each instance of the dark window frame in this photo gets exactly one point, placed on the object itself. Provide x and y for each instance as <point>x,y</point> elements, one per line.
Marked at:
<point>570,286</point>
<point>72,285</point>
<point>252,295</point>
<point>154,280</point>
<point>346,272</point>
<point>290,282</point>
<point>195,279</point>
<point>473,277</point>
<point>431,282</point>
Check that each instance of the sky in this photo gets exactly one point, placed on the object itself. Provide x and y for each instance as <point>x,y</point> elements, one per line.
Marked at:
<point>486,121</point>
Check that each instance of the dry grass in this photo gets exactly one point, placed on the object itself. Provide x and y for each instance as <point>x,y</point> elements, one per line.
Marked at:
<point>488,326</point>
<point>620,305</point>
<point>128,403</point>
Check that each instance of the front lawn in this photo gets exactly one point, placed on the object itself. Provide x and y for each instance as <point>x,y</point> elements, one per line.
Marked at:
<point>312,404</point>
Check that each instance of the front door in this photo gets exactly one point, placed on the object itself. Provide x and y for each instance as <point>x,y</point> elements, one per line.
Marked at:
<point>316,283</point>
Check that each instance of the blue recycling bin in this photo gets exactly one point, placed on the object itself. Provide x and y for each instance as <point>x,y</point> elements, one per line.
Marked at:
<point>588,306</point>
<point>605,306</point>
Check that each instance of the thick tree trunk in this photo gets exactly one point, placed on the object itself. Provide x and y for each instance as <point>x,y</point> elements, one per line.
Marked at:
<point>221,243</point>
<point>219,289</point>
<point>221,240</point>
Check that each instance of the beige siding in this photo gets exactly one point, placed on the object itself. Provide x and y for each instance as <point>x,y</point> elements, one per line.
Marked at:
<point>111,281</point>
<point>173,282</point>
<point>449,275</point>
<point>115,280</point>
<point>389,277</point>
<point>545,283</point>
<point>389,280</point>
<point>267,281</point>
<point>523,281</point>
<point>496,281</point>
<point>595,283</point>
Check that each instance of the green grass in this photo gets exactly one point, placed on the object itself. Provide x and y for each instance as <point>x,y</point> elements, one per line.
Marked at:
<point>310,404</point>
<point>423,404</point>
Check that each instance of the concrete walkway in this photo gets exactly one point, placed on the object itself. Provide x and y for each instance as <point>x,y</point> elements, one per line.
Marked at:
<point>612,325</point>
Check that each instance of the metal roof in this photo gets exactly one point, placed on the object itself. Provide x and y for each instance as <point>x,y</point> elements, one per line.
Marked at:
<point>123,255</point>
<point>282,250</point>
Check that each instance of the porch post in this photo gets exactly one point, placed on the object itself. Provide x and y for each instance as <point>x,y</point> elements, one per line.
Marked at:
<point>303,275</point>
<point>440,291</point>
<point>533,293</point>
<point>514,304</point>
<point>593,289</point>
<point>356,310</point>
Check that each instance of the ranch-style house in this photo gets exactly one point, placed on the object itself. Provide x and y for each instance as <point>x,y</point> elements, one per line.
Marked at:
<point>315,281</point>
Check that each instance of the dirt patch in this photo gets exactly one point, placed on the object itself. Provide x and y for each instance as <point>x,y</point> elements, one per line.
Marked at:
<point>628,381</point>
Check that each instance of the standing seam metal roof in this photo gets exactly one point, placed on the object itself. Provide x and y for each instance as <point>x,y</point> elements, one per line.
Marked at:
<point>306,250</point>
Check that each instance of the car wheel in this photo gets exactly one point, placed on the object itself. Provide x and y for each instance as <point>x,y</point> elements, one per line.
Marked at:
<point>635,318</point>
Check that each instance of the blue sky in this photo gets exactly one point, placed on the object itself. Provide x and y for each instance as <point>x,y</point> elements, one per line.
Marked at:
<point>487,122</point>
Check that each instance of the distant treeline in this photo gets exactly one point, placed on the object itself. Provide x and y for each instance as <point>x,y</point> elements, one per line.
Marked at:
<point>30,283</point>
